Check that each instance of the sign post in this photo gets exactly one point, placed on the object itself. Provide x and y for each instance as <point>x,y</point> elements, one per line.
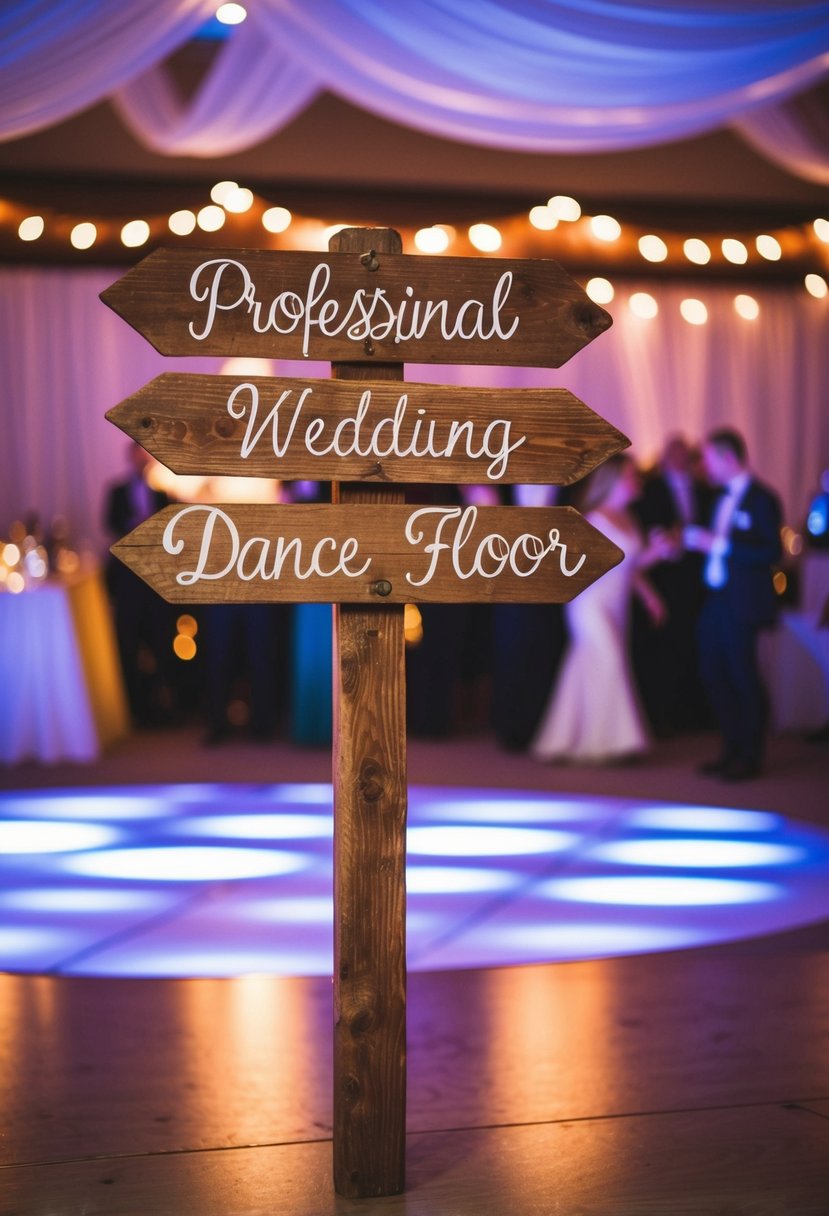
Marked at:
<point>366,307</point>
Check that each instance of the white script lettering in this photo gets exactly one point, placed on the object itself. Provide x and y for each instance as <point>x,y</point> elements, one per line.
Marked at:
<point>259,557</point>
<point>225,285</point>
<point>392,435</point>
<point>490,556</point>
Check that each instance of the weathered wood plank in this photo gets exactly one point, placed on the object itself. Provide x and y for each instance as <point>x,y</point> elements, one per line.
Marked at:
<point>374,431</point>
<point>359,553</point>
<point>370,810</point>
<point>346,306</point>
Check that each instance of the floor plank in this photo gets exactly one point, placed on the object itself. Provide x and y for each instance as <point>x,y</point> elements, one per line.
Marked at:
<point>756,1161</point>
<point>91,1067</point>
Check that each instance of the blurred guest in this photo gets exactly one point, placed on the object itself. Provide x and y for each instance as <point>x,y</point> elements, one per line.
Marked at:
<point>143,620</point>
<point>665,659</point>
<point>528,641</point>
<point>740,547</point>
<point>593,713</point>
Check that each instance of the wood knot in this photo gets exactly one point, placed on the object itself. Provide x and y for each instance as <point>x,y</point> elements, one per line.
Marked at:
<point>372,785</point>
<point>225,427</point>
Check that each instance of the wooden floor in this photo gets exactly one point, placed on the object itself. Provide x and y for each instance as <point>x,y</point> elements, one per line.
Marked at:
<point>693,1083</point>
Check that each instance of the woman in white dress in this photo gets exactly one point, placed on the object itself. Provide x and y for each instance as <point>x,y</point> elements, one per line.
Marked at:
<point>593,714</point>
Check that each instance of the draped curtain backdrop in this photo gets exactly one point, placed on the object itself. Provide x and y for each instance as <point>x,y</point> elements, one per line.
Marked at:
<point>67,360</point>
<point>535,75</point>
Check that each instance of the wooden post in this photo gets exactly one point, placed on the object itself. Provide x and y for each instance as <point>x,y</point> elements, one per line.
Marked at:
<point>369,762</point>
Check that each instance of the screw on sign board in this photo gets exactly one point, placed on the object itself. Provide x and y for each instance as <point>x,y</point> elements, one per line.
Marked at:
<point>366,307</point>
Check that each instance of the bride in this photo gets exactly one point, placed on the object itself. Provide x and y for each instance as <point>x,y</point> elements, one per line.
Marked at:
<point>593,713</point>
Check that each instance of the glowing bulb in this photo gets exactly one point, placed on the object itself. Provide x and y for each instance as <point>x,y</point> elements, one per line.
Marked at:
<point>184,647</point>
<point>543,218</point>
<point>605,228</point>
<point>431,240</point>
<point>136,232</point>
<point>643,305</point>
<point>747,307</point>
<point>769,248</point>
<point>188,625</point>
<point>485,237</point>
<point>821,228</point>
<point>276,219</point>
<point>221,190</point>
<point>238,200</point>
<point>694,312</point>
<point>734,251</point>
<point>83,236</point>
<point>653,248</point>
<point>332,230</point>
<point>15,582</point>
<point>600,291</point>
<point>697,251</point>
<point>31,228</point>
<point>11,554</point>
<point>564,208</point>
<point>210,218</point>
<point>182,223</point>
<point>231,14</point>
<point>816,286</point>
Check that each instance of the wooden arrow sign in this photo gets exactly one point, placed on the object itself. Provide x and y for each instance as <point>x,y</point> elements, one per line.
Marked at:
<point>375,307</point>
<point>334,430</point>
<point>203,553</point>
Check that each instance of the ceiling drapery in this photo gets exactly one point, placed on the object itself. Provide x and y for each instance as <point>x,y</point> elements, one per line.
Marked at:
<point>546,76</point>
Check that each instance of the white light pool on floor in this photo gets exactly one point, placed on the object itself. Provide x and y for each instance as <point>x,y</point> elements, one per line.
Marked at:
<point>22,836</point>
<point>661,892</point>
<point>279,826</point>
<point>703,819</point>
<point>684,854</point>
<point>474,840</point>
<point>185,863</point>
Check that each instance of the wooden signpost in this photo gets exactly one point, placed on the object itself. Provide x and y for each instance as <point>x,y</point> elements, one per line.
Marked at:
<point>365,307</point>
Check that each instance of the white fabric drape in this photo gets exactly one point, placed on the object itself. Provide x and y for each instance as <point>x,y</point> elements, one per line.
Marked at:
<point>534,75</point>
<point>67,360</point>
<point>794,133</point>
<point>59,56</point>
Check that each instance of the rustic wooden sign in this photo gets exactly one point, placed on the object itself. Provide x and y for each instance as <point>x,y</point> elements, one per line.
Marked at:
<point>303,553</point>
<point>366,308</point>
<point>331,430</point>
<point>378,307</point>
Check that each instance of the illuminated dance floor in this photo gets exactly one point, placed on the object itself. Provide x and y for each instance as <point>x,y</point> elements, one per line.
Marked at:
<point>224,880</point>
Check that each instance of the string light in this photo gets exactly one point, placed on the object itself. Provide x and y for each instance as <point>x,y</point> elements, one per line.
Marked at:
<point>83,236</point>
<point>693,311</point>
<point>769,247</point>
<point>276,219</point>
<point>31,228</point>
<point>643,305</point>
<point>431,240</point>
<point>135,233</point>
<point>605,228</point>
<point>746,307</point>
<point>564,208</point>
<point>696,251</point>
<point>816,286</point>
<point>734,251</point>
<point>653,248</point>
<point>600,290</point>
<point>182,223</point>
<point>221,190</point>
<point>485,237</point>
<point>239,200</point>
<point>543,218</point>
<point>821,228</point>
<point>210,218</point>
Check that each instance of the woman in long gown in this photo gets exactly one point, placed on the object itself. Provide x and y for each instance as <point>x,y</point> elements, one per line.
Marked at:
<point>593,713</point>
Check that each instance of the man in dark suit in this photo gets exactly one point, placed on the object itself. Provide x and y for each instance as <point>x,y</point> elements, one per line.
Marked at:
<point>741,545</point>
<point>665,656</point>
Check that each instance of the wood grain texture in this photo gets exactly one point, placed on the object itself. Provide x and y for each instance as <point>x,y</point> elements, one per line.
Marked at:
<point>397,566</point>
<point>556,318</point>
<point>754,1161</point>
<point>370,809</point>
<point>185,422</point>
